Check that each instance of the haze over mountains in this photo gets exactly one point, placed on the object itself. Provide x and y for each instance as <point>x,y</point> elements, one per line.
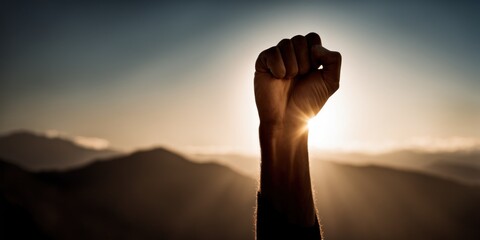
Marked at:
<point>461,166</point>
<point>160,194</point>
<point>36,151</point>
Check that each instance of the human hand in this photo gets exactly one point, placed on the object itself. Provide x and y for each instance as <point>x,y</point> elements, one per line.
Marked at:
<point>289,86</point>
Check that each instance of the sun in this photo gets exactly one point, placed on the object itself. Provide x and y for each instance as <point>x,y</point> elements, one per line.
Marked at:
<point>324,130</point>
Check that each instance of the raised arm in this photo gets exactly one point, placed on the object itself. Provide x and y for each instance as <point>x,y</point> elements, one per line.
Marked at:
<point>289,90</point>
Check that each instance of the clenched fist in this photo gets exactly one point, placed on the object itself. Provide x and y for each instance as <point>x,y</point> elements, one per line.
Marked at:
<point>289,86</point>
<point>293,80</point>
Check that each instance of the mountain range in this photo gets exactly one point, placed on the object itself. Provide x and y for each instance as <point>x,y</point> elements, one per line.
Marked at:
<point>36,152</point>
<point>462,166</point>
<point>160,194</point>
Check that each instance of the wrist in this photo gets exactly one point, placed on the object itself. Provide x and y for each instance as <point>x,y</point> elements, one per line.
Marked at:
<point>281,145</point>
<point>283,127</point>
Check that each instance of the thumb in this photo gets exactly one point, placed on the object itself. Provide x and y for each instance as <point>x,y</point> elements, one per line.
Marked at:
<point>331,62</point>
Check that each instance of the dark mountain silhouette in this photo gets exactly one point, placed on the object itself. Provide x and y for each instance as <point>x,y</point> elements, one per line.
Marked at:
<point>147,195</point>
<point>470,174</point>
<point>372,202</point>
<point>162,195</point>
<point>38,152</point>
<point>462,166</point>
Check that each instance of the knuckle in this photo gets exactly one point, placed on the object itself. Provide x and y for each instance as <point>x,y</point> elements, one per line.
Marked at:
<point>337,56</point>
<point>336,86</point>
<point>262,59</point>
<point>298,38</point>
<point>261,55</point>
<point>299,42</point>
<point>313,38</point>
<point>284,42</point>
<point>269,50</point>
<point>313,34</point>
<point>267,53</point>
<point>333,87</point>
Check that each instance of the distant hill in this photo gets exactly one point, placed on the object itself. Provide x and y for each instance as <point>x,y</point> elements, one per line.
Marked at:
<point>373,202</point>
<point>470,174</point>
<point>38,152</point>
<point>162,195</point>
<point>152,194</point>
<point>462,166</point>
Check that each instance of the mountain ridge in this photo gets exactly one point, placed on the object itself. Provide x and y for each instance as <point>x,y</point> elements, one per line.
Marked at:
<point>157,193</point>
<point>38,152</point>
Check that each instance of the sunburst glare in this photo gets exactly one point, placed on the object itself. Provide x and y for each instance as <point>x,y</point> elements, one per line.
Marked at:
<point>324,130</point>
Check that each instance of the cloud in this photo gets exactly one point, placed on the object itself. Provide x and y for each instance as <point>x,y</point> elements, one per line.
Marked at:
<point>451,144</point>
<point>52,133</point>
<point>91,142</point>
<point>87,142</point>
<point>214,149</point>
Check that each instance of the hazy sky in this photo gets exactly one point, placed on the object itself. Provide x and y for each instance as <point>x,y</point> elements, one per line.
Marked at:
<point>180,74</point>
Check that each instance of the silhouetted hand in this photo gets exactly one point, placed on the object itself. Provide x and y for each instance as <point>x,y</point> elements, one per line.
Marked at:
<point>289,87</point>
<point>289,90</point>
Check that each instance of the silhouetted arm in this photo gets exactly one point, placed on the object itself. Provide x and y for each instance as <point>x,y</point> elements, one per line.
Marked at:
<point>289,90</point>
<point>285,207</point>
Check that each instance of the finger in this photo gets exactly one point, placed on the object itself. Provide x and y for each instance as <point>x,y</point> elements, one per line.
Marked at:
<point>331,62</point>
<point>270,61</point>
<point>302,52</point>
<point>289,59</point>
<point>312,40</point>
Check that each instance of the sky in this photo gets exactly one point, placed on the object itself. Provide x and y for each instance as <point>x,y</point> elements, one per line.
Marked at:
<point>180,74</point>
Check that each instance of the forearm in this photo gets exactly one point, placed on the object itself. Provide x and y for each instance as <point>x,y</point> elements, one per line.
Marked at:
<point>285,186</point>
<point>290,88</point>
